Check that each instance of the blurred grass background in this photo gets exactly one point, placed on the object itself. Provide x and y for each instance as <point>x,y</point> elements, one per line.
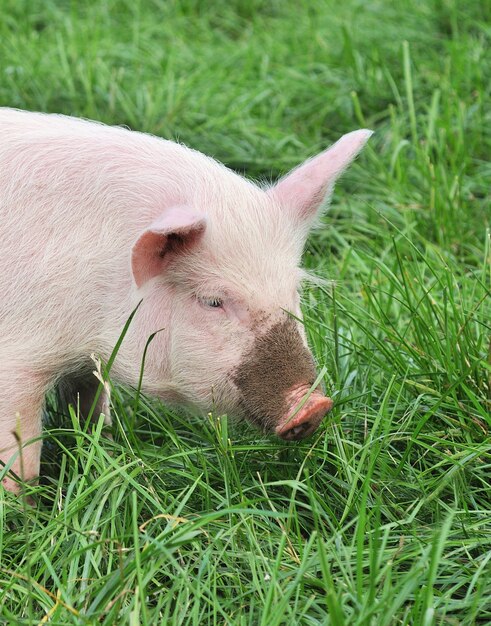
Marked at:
<point>384,516</point>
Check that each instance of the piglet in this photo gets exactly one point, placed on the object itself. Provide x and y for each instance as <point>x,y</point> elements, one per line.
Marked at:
<point>94,219</point>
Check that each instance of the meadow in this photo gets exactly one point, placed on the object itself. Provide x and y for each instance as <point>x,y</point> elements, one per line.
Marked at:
<point>384,516</point>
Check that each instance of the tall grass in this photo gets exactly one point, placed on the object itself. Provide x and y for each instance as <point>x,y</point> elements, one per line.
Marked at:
<point>384,516</point>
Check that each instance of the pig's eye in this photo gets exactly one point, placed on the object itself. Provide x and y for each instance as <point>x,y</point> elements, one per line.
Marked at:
<point>212,303</point>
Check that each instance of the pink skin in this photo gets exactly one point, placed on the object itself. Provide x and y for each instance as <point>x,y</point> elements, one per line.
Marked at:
<point>95,220</point>
<point>21,436</point>
<point>302,423</point>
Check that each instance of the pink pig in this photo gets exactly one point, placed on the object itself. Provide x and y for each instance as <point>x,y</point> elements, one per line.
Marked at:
<point>94,219</point>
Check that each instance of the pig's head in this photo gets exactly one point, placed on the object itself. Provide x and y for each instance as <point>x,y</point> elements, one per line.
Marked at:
<point>220,275</point>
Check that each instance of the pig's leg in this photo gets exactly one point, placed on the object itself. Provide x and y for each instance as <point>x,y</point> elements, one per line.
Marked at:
<point>20,428</point>
<point>79,390</point>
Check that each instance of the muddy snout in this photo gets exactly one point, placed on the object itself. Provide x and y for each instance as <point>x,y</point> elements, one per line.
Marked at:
<point>274,381</point>
<point>305,414</point>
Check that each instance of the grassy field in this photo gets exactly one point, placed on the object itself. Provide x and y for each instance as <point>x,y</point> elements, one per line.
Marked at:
<point>384,517</point>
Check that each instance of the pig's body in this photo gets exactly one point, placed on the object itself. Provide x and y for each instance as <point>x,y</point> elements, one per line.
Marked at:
<point>95,219</point>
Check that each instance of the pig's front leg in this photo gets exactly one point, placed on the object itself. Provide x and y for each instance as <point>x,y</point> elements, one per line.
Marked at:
<point>20,432</point>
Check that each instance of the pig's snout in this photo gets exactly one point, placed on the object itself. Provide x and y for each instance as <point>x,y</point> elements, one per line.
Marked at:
<point>272,381</point>
<point>301,423</point>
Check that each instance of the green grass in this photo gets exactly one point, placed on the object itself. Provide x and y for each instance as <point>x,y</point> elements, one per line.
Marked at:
<point>384,517</point>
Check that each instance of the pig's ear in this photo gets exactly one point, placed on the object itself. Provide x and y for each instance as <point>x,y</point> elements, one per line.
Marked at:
<point>175,231</point>
<point>307,188</point>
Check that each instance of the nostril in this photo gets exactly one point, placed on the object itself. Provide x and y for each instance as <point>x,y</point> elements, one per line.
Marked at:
<point>306,419</point>
<point>298,432</point>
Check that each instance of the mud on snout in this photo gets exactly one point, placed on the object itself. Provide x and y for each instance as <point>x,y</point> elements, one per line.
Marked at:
<point>272,379</point>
